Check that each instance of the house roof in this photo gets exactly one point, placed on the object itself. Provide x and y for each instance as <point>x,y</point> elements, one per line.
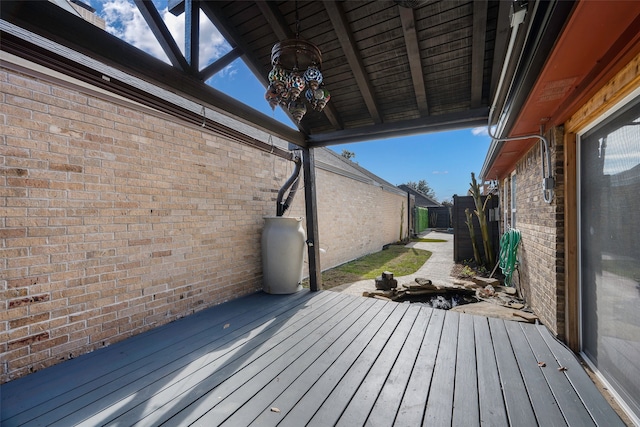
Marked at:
<point>566,76</point>
<point>391,70</point>
<point>422,200</point>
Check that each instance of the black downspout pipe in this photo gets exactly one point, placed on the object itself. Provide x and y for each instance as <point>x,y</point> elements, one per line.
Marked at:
<point>292,183</point>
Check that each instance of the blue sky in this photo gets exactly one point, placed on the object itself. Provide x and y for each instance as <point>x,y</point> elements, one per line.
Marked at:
<point>445,159</point>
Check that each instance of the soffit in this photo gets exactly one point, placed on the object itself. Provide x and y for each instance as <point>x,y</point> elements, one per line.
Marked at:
<point>597,41</point>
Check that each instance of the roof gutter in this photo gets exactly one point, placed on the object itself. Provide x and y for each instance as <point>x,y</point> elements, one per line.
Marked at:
<point>545,23</point>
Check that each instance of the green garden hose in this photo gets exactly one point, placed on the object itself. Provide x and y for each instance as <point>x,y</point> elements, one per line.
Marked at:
<point>508,253</point>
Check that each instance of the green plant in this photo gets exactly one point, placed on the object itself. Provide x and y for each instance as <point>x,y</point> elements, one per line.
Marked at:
<point>482,220</point>
<point>467,272</point>
<point>472,234</point>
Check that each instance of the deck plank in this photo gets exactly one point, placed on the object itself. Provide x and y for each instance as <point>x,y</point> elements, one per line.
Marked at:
<point>342,393</point>
<point>303,394</point>
<point>414,401</point>
<point>466,412</point>
<point>490,399</point>
<point>601,412</point>
<point>543,402</point>
<point>104,372</point>
<point>362,402</point>
<point>323,352</point>
<point>440,404</point>
<point>386,406</point>
<point>133,396</point>
<point>321,358</point>
<point>194,391</point>
<point>306,350</point>
<point>31,391</point>
<point>568,400</point>
<point>516,398</point>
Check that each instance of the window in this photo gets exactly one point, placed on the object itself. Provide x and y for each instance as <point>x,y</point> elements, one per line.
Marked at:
<point>513,200</point>
<point>509,202</point>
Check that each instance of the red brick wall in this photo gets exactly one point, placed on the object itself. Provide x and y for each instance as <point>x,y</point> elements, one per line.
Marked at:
<point>541,253</point>
<point>116,219</point>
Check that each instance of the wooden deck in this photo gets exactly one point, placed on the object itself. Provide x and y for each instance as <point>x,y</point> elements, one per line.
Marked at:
<point>318,359</point>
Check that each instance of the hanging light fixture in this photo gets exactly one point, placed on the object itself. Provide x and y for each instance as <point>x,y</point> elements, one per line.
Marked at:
<point>295,79</point>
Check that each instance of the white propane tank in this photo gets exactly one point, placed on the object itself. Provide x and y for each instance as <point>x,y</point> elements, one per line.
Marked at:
<point>283,241</point>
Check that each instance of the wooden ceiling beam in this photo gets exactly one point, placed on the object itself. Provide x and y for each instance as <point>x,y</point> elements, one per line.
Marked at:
<point>162,34</point>
<point>192,34</point>
<point>341,27</point>
<point>415,61</point>
<point>477,52</point>
<point>275,19</point>
<point>220,63</point>
<point>430,124</point>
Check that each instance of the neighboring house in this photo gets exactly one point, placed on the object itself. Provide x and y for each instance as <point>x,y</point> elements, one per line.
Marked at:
<point>576,201</point>
<point>438,216</point>
<point>422,200</point>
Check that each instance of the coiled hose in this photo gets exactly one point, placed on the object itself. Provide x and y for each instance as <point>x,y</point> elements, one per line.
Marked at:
<point>508,253</point>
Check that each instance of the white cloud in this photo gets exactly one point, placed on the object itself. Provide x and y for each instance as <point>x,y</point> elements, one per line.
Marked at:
<point>482,130</point>
<point>123,19</point>
<point>440,172</point>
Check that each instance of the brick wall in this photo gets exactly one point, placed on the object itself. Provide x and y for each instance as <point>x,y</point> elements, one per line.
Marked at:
<point>116,219</point>
<point>541,271</point>
<point>355,219</point>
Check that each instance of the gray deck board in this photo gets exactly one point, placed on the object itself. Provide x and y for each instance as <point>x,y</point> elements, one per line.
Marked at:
<point>490,399</point>
<point>543,402</point>
<point>342,392</point>
<point>318,359</point>
<point>601,412</point>
<point>414,401</point>
<point>388,402</point>
<point>516,398</point>
<point>440,403</point>
<point>245,385</point>
<point>363,400</point>
<point>565,395</point>
<point>466,411</point>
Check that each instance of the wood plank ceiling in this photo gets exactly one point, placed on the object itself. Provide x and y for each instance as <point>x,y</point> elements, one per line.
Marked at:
<point>391,70</point>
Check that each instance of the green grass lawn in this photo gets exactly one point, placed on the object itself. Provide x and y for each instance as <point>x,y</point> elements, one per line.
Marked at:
<point>397,259</point>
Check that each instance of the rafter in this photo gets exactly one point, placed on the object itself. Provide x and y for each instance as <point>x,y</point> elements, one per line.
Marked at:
<point>192,33</point>
<point>341,27</point>
<point>220,63</point>
<point>477,53</point>
<point>415,62</point>
<point>275,19</point>
<point>439,123</point>
<point>162,34</point>
<point>212,10</point>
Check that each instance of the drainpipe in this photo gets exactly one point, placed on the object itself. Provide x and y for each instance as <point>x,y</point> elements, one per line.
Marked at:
<point>291,185</point>
<point>548,183</point>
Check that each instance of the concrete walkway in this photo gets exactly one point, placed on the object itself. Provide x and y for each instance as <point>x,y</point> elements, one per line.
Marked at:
<point>437,268</point>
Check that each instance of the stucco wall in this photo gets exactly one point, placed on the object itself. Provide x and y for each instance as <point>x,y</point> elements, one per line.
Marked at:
<point>541,253</point>
<point>117,219</point>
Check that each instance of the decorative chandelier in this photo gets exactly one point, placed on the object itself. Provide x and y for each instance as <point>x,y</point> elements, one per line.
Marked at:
<point>295,79</point>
